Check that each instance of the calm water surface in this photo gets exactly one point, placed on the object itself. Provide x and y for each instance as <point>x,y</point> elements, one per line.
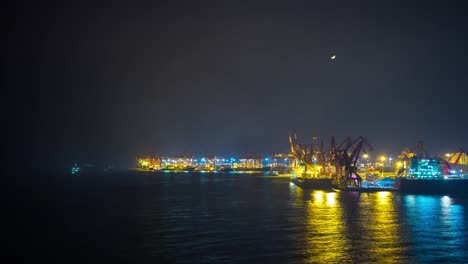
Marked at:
<point>232,218</point>
<point>237,218</point>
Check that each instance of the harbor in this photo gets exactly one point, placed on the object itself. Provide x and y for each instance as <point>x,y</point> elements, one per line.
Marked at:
<point>344,166</point>
<point>236,132</point>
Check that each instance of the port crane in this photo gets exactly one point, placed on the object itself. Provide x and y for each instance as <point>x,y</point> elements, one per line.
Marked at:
<point>309,157</point>
<point>345,158</point>
<point>448,168</point>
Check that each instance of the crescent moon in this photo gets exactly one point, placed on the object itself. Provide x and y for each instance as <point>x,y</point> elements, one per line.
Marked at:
<point>333,57</point>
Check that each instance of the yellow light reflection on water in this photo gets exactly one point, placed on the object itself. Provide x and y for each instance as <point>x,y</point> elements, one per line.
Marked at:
<point>381,230</point>
<point>331,199</point>
<point>383,198</point>
<point>325,240</point>
<point>336,225</point>
<point>318,195</point>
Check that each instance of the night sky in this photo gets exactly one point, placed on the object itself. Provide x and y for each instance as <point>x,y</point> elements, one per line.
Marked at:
<point>106,83</point>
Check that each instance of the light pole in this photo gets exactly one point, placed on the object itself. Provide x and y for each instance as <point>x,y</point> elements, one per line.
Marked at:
<point>365,156</point>
<point>383,165</point>
<point>366,161</point>
<point>447,155</point>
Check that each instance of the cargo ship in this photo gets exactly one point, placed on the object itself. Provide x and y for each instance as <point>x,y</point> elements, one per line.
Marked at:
<point>424,177</point>
<point>315,184</point>
<point>311,180</point>
<point>308,167</point>
<point>434,186</point>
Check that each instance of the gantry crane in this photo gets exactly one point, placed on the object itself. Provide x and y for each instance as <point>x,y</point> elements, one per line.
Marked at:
<point>448,168</point>
<point>345,158</point>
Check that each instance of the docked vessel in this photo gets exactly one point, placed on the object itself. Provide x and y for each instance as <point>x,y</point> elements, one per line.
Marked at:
<point>434,186</point>
<point>315,184</point>
<point>431,176</point>
<point>309,168</point>
<point>310,178</point>
<point>382,185</point>
<point>370,189</point>
<point>336,170</point>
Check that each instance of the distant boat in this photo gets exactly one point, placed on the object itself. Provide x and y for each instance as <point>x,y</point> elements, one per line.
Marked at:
<point>274,172</point>
<point>75,169</point>
<point>282,169</point>
<point>87,168</point>
<point>261,169</point>
<point>167,169</point>
<point>184,169</point>
<point>226,169</point>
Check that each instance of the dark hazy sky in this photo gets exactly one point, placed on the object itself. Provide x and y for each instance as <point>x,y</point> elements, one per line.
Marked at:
<point>110,81</point>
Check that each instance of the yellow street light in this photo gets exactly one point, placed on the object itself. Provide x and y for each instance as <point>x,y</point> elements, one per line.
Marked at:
<point>366,157</point>
<point>383,165</point>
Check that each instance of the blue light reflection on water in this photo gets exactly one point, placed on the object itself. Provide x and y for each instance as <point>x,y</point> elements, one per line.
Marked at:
<point>437,227</point>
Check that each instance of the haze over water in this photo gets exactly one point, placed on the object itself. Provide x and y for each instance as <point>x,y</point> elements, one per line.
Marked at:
<point>232,218</point>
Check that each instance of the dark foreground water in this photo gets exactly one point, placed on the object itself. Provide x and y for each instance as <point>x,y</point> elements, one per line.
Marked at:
<point>232,218</point>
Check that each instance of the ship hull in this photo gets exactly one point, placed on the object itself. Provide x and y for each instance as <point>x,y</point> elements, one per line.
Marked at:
<point>369,189</point>
<point>437,186</point>
<point>315,184</point>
